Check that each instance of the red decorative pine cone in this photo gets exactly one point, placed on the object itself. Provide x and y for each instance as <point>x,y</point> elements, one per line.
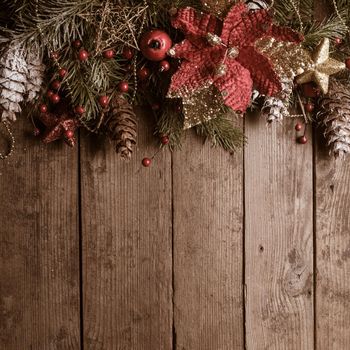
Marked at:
<point>62,72</point>
<point>143,73</point>
<point>79,110</point>
<point>43,108</point>
<point>83,55</point>
<point>56,84</point>
<point>146,162</point>
<point>55,98</point>
<point>77,44</point>
<point>128,53</point>
<point>109,54</point>
<point>164,66</point>
<point>123,86</point>
<point>103,101</point>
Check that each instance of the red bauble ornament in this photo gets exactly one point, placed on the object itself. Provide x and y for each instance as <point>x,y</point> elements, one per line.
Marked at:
<point>128,53</point>
<point>62,72</point>
<point>55,98</point>
<point>123,86</point>
<point>83,55</point>
<point>164,66</point>
<point>109,54</point>
<point>36,132</point>
<point>103,101</point>
<point>338,41</point>
<point>143,73</point>
<point>302,140</point>
<point>155,45</point>
<point>347,62</point>
<point>79,110</point>
<point>310,90</point>
<point>77,44</point>
<point>55,55</point>
<point>309,107</point>
<point>43,108</point>
<point>49,93</point>
<point>165,140</point>
<point>298,127</point>
<point>69,134</point>
<point>146,162</point>
<point>56,84</point>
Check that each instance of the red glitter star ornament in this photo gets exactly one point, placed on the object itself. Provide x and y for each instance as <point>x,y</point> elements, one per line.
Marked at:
<point>59,126</point>
<point>229,61</point>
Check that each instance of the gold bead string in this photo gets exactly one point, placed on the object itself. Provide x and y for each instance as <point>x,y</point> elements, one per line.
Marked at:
<point>13,142</point>
<point>338,14</point>
<point>296,8</point>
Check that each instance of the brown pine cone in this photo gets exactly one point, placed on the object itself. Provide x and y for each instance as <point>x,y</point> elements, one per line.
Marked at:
<point>121,126</point>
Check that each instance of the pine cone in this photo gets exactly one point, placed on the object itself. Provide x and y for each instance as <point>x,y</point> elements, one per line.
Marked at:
<point>13,77</point>
<point>334,115</point>
<point>277,108</point>
<point>121,126</point>
<point>35,75</point>
<point>256,4</point>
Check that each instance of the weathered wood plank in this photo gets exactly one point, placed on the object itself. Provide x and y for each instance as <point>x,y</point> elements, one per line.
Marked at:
<point>208,253</point>
<point>333,252</point>
<point>278,238</point>
<point>127,259</point>
<point>39,250</point>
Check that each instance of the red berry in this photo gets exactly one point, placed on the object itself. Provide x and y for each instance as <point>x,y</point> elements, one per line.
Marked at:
<point>62,72</point>
<point>49,93</point>
<point>146,162</point>
<point>55,98</point>
<point>338,41</point>
<point>108,54</point>
<point>155,45</point>
<point>36,132</point>
<point>55,55</point>
<point>302,140</point>
<point>128,54</point>
<point>164,66</point>
<point>79,110</point>
<point>165,140</point>
<point>83,55</point>
<point>143,73</point>
<point>43,108</point>
<point>77,44</point>
<point>310,107</point>
<point>298,127</point>
<point>69,134</point>
<point>103,101</point>
<point>56,84</point>
<point>347,62</point>
<point>123,86</point>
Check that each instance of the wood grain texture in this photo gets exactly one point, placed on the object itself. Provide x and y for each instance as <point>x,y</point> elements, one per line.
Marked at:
<point>127,259</point>
<point>333,251</point>
<point>278,238</point>
<point>39,251</point>
<point>208,252</point>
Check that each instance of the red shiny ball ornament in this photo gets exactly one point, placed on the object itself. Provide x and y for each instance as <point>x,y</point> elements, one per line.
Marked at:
<point>143,73</point>
<point>49,93</point>
<point>69,134</point>
<point>310,90</point>
<point>103,101</point>
<point>347,62</point>
<point>83,55</point>
<point>155,45</point>
<point>165,140</point>
<point>62,72</point>
<point>56,84</point>
<point>309,107</point>
<point>55,98</point>
<point>146,162</point>
<point>109,54</point>
<point>79,110</point>
<point>164,66</point>
<point>338,41</point>
<point>128,53</point>
<point>77,44</point>
<point>298,127</point>
<point>55,55</point>
<point>43,108</point>
<point>302,140</point>
<point>123,86</point>
<point>36,132</point>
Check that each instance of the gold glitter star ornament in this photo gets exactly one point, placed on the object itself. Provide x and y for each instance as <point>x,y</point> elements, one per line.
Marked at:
<point>322,67</point>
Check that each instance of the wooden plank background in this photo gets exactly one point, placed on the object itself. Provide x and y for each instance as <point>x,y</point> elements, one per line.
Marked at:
<point>202,251</point>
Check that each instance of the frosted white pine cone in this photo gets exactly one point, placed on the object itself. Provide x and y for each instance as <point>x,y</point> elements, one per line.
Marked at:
<point>35,75</point>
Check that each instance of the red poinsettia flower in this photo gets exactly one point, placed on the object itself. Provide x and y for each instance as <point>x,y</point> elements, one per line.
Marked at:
<point>229,61</point>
